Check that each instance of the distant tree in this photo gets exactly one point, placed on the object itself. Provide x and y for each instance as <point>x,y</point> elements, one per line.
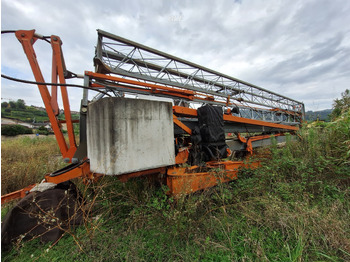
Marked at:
<point>4,104</point>
<point>21,104</point>
<point>341,105</point>
<point>12,104</point>
<point>8,110</point>
<point>14,130</point>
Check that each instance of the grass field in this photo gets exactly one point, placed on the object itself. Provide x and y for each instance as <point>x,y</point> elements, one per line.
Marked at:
<point>295,207</point>
<point>25,160</point>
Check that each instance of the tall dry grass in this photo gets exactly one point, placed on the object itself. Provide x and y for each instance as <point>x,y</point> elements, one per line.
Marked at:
<point>26,160</point>
<point>295,207</point>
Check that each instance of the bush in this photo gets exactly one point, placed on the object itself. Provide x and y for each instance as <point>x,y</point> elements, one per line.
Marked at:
<point>43,131</point>
<point>14,130</point>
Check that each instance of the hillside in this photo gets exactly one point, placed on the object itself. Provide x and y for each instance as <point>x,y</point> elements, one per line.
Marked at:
<point>20,111</point>
<point>322,115</point>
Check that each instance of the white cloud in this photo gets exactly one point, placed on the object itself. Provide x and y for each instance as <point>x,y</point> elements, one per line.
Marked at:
<point>296,48</point>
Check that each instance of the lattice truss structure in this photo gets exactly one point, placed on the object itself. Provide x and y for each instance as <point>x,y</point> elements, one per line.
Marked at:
<point>135,61</point>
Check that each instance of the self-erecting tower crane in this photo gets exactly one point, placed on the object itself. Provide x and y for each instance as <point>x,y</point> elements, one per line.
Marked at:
<point>182,135</point>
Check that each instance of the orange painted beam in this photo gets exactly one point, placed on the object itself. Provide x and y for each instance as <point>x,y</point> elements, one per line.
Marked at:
<point>82,171</point>
<point>27,38</point>
<point>138,83</point>
<point>182,125</point>
<point>182,181</point>
<point>182,156</point>
<point>16,195</point>
<point>179,110</point>
<point>185,111</point>
<point>257,138</point>
<point>58,57</point>
<point>242,120</point>
<point>79,171</point>
<point>126,177</point>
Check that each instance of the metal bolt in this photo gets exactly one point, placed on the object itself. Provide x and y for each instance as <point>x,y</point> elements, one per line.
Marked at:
<point>54,38</point>
<point>23,35</point>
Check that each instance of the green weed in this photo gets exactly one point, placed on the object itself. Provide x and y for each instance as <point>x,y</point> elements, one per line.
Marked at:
<point>295,207</point>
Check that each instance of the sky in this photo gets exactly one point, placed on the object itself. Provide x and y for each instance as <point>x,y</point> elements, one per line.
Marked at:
<point>299,49</point>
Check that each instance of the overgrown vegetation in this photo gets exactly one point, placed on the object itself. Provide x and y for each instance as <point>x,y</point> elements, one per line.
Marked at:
<point>25,161</point>
<point>43,131</point>
<point>295,207</point>
<point>341,105</point>
<point>14,130</point>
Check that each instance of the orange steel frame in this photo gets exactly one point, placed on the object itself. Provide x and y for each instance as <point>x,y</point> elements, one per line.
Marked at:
<point>150,88</point>
<point>185,111</point>
<point>27,39</point>
<point>180,180</point>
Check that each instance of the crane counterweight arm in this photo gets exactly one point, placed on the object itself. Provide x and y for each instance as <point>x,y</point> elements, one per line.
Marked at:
<point>28,38</point>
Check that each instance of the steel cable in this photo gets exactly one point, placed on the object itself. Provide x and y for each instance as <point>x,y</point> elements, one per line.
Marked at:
<point>51,84</point>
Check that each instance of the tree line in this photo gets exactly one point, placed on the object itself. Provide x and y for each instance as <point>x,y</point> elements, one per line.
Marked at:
<point>19,104</point>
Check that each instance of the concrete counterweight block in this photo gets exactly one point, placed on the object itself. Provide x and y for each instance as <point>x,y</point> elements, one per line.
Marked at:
<point>127,135</point>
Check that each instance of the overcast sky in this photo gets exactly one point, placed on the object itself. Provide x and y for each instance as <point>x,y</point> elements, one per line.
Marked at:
<point>300,49</point>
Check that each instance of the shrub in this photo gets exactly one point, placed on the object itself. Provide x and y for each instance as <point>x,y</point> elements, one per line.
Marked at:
<point>43,131</point>
<point>14,130</point>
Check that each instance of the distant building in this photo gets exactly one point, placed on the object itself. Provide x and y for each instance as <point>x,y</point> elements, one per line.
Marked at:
<point>37,125</point>
<point>7,121</point>
<point>39,108</point>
